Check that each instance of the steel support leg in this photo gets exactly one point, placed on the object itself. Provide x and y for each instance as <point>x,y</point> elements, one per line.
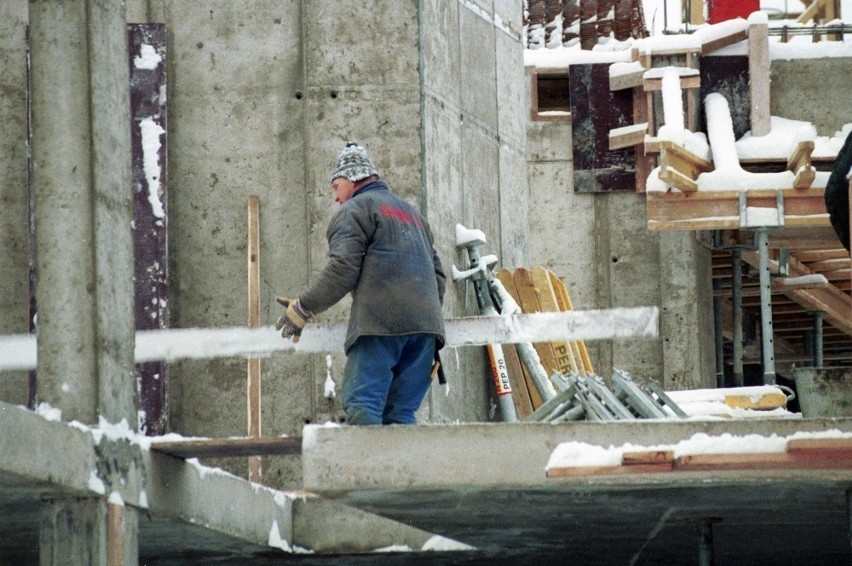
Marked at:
<point>705,547</point>
<point>720,349</point>
<point>766,330</point>
<point>849,516</point>
<point>737,300</point>
<point>818,347</point>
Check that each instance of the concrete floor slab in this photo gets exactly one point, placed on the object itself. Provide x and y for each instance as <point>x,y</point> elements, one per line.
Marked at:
<point>485,485</point>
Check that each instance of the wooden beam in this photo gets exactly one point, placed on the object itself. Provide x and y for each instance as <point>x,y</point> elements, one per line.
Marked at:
<point>836,304</point>
<point>724,41</point>
<point>253,384</point>
<point>229,447</point>
<point>622,81</point>
<point>800,164</point>
<point>627,136</point>
<point>688,82</point>
<point>719,210</point>
<point>758,68</point>
<point>683,160</point>
<point>674,178</point>
<point>115,534</point>
<point>811,12</point>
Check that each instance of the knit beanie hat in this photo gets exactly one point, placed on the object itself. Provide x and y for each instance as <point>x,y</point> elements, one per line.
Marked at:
<point>354,163</point>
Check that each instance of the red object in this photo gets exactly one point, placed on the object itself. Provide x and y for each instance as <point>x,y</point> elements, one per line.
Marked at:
<point>722,10</point>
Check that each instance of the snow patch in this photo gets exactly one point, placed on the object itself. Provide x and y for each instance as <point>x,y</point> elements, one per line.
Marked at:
<point>439,543</point>
<point>48,413</point>
<point>148,58</point>
<point>115,499</point>
<point>329,379</point>
<point>95,483</point>
<point>151,132</point>
<point>394,548</point>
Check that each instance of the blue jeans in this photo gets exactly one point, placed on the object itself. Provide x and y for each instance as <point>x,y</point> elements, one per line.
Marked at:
<point>386,378</point>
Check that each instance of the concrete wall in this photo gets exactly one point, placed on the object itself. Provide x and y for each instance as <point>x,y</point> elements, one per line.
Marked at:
<point>473,167</point>
<point>262,95</point>
<point>14,272</point>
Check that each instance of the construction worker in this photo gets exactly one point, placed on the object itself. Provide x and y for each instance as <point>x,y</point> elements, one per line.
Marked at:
<point>837,192</point>
<point>381,250</point>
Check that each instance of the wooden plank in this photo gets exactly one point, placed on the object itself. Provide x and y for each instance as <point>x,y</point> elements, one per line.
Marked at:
<point>627,136</point>
<point>576,471</point>
<point>674,178</point>
<point>804,178</point>
<point>645,163</point>
<point>811,12</point>
<point>253,383</point>
<point>115,534</point>
<point>657,457</point>
<point>565,304</point>
<point>229,447</point>
<point>683,160</point>
<point>689,82</point>
<point>624,81</point>
<point>562,352</point>
<point>836,304</point>
<point>719,210</point>
<point>761,461</point>
<point>722,462</point>
<point>801,156</point>
<point>765,402</point>
<point>800,164</point>
<point>524,402</point>
<point>758,66</point>
<point>821,448</point>
<point>529,303</point>
<point>518,375</point>
<point>724,41</point>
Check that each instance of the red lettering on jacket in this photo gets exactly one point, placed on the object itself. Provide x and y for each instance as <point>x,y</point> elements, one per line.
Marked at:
<point>399,215</point>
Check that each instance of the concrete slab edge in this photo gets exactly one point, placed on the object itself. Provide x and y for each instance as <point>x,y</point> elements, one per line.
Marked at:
<point>339,460</point>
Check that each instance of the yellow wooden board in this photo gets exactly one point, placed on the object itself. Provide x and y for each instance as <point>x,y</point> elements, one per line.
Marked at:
<point>529,304</point>
<point>562,351</point>
<point>518,375</point>
<point>564,300</point>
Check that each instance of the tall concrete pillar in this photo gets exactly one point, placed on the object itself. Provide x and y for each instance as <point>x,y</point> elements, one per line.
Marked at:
<point>84,253</point>
<point>83,208</point>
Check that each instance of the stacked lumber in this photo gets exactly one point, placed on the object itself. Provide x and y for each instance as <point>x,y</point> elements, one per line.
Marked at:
<point>796,454</point>
<point>540,290</point>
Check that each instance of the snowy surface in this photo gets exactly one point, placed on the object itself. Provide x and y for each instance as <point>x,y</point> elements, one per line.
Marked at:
<point>580,454</point>
<point>557,56</point>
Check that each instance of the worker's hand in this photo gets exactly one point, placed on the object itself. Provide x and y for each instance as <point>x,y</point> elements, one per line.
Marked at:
<point>294,318</point>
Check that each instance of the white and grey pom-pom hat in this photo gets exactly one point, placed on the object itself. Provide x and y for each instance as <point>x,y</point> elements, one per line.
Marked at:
<point>354,163</point>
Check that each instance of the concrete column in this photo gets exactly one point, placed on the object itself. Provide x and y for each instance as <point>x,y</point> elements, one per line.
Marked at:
<point>83,214</point>
<point>86,532</point>
<point>686,312</point>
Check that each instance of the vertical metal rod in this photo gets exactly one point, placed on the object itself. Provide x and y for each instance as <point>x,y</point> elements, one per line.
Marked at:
<point>766,330</point>
<point>737,299</point>
<point>808,347</point>
<point>818,357</point>
<point>705,546</point>
<point>720,350</point>
<point>849,516</point>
